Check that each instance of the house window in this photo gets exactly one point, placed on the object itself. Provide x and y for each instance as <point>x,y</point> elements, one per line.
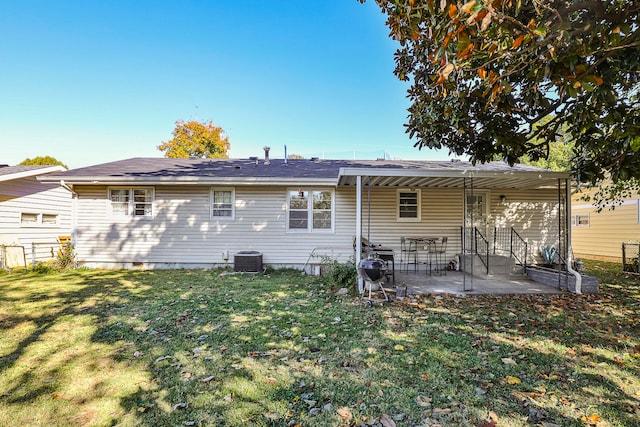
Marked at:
<point>222,203</point>
<point>408,205</point>
<point>28,218</point>
<point>581,220</point>
<point>38,219</point>
<point>49,219</point>
<point>322,212</point>
<point>310,211</point>
<point>131,202</point>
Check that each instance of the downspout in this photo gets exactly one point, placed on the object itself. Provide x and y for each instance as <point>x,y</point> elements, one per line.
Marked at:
<point>575,273</point>
<point>570,269</point>
<point>358,243</point>
<point>74,211</point>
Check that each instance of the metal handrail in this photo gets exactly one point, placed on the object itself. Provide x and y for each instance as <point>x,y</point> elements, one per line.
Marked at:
<point>517,240</point>
<point>484,256</point>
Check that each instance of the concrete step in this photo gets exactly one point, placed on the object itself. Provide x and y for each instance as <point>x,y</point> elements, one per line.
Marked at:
<point>498,265</point>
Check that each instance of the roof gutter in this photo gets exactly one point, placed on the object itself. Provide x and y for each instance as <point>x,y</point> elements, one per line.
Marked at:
<point>110,180</point>
<point>449,173</point>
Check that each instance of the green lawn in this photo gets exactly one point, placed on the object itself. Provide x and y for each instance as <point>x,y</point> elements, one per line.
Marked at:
<point>180,348</point>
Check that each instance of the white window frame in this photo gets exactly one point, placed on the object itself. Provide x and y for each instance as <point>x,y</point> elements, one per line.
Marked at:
<point>310,210</point>
<point>418,194</point>
<point>575,221</point>
<point>213,209</point>
<point>47,214</point>
<point>39,216</point>
<point>24,223</point>
<point>131,203</point>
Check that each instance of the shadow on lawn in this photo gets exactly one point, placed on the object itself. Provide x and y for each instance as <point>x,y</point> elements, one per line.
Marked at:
<point>267,358</point>
<point>256,350</point>
<point>39,314</point>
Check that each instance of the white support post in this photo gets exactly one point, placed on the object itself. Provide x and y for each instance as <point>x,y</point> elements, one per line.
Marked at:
<point>358,242</point>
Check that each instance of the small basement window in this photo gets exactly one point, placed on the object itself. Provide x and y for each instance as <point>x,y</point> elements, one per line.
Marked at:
<point>29,218</point>
<point>49,219</point>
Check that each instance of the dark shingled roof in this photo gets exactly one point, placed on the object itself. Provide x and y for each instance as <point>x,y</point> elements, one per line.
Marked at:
<point>240,168</point>
<point>252,171</point>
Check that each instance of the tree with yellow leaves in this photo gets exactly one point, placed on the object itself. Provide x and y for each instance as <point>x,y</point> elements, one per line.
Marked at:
<point>195,139</point>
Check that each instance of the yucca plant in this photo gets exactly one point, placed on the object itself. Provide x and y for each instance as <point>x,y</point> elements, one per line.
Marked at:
<point>549,254</point>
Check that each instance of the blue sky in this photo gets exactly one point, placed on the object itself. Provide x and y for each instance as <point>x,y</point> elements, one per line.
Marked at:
<point>89,82</point>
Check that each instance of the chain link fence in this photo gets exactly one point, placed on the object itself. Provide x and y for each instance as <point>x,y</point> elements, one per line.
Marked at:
<point>631,257</point>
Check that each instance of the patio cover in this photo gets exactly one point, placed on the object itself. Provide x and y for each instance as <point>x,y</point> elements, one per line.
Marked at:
<point>463,175</point>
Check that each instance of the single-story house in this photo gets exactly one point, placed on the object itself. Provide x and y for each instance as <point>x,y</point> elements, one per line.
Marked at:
<point>600,235</point>
<point>33,215</point>
<point>199,213</point>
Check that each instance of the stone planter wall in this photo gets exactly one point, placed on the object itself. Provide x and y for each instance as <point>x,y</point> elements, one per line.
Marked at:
<point>549,277</point>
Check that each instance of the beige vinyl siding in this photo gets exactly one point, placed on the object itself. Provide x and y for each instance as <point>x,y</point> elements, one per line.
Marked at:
<point>441,215</point>
<point>532,213</point>
<point>27,195</point>
<point>606,232</point>
<point>181,232</point>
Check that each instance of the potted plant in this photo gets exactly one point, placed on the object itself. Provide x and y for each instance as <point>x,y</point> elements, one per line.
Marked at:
<point>549,254</point>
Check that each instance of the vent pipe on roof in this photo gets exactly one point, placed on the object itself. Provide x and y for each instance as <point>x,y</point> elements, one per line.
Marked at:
<point>266,155</point>
<point>285,154</point>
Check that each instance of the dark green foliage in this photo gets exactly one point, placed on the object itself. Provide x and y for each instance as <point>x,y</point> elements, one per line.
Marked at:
<point>508,79</point>
<point>341,274</point>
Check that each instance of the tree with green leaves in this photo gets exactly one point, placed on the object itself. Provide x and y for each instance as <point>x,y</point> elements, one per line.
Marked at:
<point>558,158</point>
<point>484,73</point>
<point>196,139</point>
<point>42,161</point>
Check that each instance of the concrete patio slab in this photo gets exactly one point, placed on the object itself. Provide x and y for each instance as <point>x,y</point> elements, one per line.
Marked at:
<point>455,282</point>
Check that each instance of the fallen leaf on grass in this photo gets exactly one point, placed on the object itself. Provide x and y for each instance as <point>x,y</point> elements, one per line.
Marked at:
<point>591,420</point>
<point>438,413</point>
<point>270,380</point>
<point>512,380</point>
<point>398,347</point>
<point>271,416</point>
<point>345,414</point>
<point>508,361</point>
<point>386,421</point>
<point>423,401</point>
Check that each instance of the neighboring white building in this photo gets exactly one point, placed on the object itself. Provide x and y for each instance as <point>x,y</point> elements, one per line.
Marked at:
<point>183,213</point>
<point>32,215</point>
